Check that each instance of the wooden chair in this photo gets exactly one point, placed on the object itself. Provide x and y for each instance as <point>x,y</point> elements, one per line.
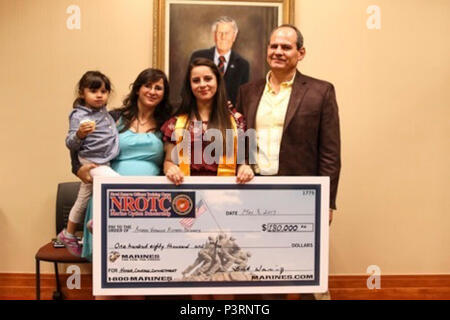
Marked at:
<point>65,198</point>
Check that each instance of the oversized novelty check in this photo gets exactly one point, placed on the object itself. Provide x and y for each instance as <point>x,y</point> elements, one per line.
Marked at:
<point>210,235</point>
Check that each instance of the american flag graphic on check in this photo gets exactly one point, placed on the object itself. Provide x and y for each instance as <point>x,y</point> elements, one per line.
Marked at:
<point>200,208</point>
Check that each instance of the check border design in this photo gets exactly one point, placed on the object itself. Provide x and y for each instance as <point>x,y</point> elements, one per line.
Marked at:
<point>107,187</point>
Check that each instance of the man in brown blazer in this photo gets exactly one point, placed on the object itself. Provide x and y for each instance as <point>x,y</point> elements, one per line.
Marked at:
<point>297,114</point>
<point>295,117</point>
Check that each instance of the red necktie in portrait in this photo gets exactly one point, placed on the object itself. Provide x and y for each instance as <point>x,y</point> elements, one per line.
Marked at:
<point>221,65</point>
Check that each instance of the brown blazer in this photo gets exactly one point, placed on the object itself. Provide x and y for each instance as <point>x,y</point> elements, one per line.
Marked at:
<point>310,144</point>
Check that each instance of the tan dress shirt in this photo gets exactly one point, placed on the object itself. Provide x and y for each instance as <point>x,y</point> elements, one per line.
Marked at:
<point>269,125</point>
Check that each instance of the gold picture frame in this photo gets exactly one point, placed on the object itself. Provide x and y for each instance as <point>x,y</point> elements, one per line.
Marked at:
<point>183,26</point>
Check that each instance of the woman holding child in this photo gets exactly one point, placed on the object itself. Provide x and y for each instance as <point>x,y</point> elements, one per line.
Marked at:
<point>141,151</point>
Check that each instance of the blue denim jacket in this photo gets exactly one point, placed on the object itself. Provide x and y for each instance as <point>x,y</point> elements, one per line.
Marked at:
<point>101,145</point>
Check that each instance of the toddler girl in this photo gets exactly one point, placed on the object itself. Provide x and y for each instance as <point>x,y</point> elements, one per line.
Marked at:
<point>93,134</point>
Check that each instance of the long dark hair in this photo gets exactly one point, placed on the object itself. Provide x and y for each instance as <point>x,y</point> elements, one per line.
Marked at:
<point>91,80</point>
<point>220,114</point>
<point>129,111</point>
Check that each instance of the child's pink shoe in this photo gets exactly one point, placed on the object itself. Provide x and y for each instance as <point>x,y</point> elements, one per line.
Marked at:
<point>70,243</point>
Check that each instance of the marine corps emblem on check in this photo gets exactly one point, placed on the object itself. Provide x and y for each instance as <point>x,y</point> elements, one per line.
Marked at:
<point>182,204</point>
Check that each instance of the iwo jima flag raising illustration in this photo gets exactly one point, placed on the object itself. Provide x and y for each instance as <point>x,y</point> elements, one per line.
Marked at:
<point>220,259</point>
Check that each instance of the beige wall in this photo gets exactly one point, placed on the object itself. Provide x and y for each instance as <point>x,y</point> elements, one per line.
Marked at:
<point>392,89</point>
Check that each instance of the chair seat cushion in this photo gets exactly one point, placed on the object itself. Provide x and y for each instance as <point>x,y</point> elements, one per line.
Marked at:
<point>52,254</point>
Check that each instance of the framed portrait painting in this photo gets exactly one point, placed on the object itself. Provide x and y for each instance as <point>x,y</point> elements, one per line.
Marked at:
<point>182,27</point>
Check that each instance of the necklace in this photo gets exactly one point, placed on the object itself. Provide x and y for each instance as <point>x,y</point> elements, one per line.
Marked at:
<point>139,123</point>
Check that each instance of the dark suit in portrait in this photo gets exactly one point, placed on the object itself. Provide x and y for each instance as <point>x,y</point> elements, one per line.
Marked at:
<point>236,73</point>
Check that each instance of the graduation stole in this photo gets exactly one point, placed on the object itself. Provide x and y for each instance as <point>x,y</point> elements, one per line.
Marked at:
<point>227,166</point>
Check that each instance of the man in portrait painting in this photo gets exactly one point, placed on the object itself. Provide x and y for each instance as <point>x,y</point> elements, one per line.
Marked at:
<point>234,68</point>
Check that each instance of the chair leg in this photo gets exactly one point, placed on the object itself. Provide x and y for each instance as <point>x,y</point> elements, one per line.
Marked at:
<point>57,295</point>
<point>38,279</point>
